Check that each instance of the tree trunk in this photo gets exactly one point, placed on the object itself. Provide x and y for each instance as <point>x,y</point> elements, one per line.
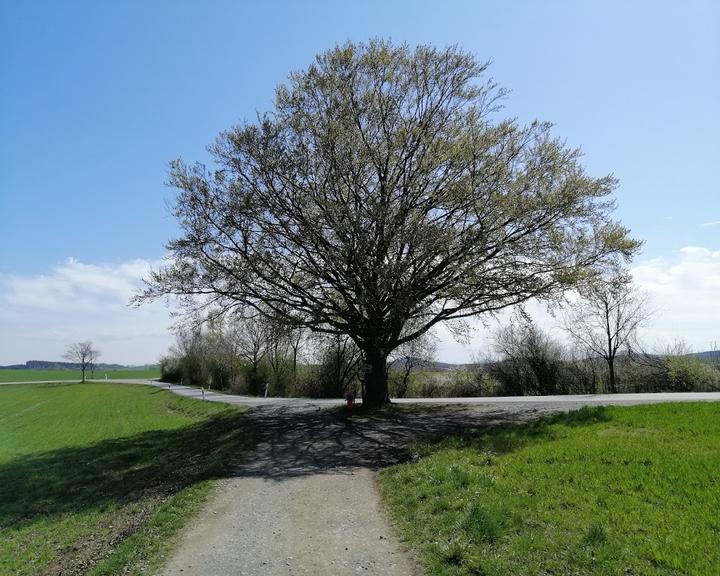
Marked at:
<point>83,373</point>
<point>375,390</point>
<point>611,369</point>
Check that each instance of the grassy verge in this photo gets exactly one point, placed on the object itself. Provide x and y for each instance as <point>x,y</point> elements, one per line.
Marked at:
<point>631,491</point>
<point>96,478</point>
<point>74,375</point>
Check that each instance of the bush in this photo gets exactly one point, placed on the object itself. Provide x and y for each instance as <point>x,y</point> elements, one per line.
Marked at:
<point>170,370</point>
<point>530,362</point>
<point>399,384</point>
<point>464,384</point>
<point>686,373</point>
<point>429,386</point>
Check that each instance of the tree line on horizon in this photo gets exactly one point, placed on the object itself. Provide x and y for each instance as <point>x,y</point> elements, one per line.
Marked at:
<point>252,355</point>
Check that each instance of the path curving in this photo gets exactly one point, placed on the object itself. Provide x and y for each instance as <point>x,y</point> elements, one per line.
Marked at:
<point>305,502</point>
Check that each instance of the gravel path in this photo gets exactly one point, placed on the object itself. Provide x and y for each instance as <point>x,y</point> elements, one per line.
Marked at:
<point>305,502</point>
<point>319,524</point>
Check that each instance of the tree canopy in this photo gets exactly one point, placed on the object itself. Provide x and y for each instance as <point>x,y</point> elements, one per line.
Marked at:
<point>385,191</point>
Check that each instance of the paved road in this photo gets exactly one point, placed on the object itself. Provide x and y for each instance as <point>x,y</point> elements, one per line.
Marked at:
<point>560,401</point>
<point>571,401</point>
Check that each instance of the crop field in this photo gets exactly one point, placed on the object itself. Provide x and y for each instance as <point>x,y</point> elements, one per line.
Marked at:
<point>74,375</point>
<point>621,490</point>
<point>97,478</point>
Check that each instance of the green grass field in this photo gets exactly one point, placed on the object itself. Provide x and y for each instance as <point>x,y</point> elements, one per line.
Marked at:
<point>97,478</point>
<point>615,491</point>
<point>73,375</point>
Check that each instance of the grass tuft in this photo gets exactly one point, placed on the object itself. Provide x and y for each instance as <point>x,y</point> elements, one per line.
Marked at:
<point>484,523</point>
<point>596,535</point>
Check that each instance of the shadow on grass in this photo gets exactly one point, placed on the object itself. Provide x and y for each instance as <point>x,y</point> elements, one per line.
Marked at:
<point>120,471</point>
<point>295,442</point>
<point>292,442</point>
<point>510,436</point>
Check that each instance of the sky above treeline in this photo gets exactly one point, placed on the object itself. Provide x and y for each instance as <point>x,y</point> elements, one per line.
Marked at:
<point>97,97</point>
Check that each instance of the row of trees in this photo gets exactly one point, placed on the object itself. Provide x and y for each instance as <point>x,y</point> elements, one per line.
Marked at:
<point>254,355</point>
<point>530,361</point>
<point>603,354</point>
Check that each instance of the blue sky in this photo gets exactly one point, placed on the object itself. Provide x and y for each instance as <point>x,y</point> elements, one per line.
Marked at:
<point>97,97</point>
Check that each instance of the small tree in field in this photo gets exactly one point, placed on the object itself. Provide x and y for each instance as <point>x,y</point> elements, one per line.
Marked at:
<point>606,318</point>
<point>84,354</point>
<point>383,192</point>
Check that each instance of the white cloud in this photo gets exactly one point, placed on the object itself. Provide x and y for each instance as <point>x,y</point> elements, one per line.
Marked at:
<point>683,288</point>
<point>41,314</point>
<point>713,223</point>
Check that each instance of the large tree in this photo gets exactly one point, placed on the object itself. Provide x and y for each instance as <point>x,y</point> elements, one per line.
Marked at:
<point>385,191</point>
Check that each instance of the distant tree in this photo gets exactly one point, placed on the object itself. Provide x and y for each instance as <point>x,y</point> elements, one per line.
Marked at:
<point>83,354</point>
<point>192,350</point>
<point>384,191</point>
<point>296,340</point>
<point>340,361</point>
<point>250,337</point>
<point>530,361</point>
<point>220,355</point>
<point>606,317</point>
<point>278,347</point>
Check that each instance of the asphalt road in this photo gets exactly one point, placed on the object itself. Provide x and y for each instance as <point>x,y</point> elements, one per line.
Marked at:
<point>569,401</point>
<point>565,401</point>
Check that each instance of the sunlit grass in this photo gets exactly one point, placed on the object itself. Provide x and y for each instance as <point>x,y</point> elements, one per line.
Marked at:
<point>75,375</point>
<point>96,478</point>
<point>609,491</point>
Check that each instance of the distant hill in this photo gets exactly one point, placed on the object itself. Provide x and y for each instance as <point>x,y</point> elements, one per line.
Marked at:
<point>709,355</point>
<point>424,366</point>
<point>50,365</point>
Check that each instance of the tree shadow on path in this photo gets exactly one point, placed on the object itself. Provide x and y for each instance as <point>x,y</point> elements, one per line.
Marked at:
<point>290,441</point>
<point>296,441</point>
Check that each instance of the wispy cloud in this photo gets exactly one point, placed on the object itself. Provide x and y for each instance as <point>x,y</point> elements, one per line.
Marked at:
<point>708,224</point>
<point>684,288</point>
<point>41,314</point>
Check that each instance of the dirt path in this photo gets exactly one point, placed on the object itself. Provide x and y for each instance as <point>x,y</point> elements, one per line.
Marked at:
<point>318,524</point>
<point>306,503</point>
